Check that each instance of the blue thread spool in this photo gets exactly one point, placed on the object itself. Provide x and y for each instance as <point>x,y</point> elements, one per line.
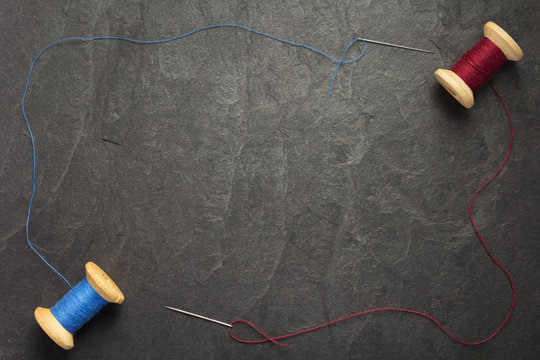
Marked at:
<point>78,306</point>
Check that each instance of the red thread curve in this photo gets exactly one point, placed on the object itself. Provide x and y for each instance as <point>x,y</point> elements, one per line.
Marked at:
<point>275,339</point>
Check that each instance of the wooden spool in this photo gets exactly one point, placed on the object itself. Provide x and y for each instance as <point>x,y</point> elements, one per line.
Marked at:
<point>456,86</point>
<point>101,283</point>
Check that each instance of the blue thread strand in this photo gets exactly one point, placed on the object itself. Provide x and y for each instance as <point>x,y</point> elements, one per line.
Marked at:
<point>340,62</point>
<point>78,306</point>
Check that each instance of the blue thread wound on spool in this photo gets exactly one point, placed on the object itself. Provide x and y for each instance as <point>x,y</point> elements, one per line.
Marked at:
<point>78,306</point>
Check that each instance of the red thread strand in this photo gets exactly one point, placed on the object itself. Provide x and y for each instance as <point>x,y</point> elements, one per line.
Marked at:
<point>275,339</point>
<point>479,64</point>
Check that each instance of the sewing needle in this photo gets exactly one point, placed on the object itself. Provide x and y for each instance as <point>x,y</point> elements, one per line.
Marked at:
<point>394,45</point>
<point>199,316</point>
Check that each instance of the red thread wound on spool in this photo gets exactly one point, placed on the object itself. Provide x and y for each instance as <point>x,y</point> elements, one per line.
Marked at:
<point>479,64</point>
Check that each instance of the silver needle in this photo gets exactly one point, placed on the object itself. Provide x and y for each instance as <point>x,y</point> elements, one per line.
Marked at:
<point>199,316</point>
<point>394,45</point>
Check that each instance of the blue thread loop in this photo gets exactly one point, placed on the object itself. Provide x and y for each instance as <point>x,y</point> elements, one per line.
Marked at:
<point>27,226</point>
<point>343,62</point>
<point>78,306</point>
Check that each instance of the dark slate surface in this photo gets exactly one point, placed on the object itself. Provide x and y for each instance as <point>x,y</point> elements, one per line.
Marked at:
<point>240,189</point>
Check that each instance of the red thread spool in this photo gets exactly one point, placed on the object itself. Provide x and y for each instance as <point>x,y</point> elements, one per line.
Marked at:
<point>479,64</point>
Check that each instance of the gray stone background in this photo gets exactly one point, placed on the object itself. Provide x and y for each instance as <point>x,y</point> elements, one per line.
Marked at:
<point>241,189</point>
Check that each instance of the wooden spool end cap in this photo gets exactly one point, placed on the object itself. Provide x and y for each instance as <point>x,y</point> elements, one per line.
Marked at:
<point>103,284</point>
<point>456,87</point>
<point>508,46</point>
<point>53,328</point>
